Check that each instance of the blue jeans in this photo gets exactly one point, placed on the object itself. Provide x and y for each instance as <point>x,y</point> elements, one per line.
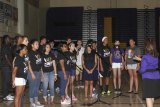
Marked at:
<point>34,86</point>
<point>48,78</point>
<point>63,83</point>
<point>6,74</point>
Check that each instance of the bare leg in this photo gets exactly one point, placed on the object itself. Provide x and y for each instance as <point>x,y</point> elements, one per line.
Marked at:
<point>135,76</point>
<point>131,80</point>
<point>72,84</point>
<point>149,102</point>
<point>115,78</point>
<point>86,89</point>
<point>66,90</point>
<point>19,93</point>
<point>91,88</point>
<point>119,78</point>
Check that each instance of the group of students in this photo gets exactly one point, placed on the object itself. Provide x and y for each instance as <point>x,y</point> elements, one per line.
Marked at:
<point>38,61</point>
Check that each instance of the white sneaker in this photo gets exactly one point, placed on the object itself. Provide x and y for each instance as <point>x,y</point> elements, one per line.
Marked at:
<point>8,98</point>
<point>38,104</point>
<point>32,105</point>
<point>68,98</point>
<point>11,96</point>
<point>65,102</point>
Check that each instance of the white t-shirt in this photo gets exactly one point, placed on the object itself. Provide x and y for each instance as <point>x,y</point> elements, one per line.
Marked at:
<point>79,56</point>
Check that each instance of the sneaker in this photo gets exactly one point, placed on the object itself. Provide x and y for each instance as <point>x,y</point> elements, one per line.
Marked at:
<point>119,91</point>
<point>109,92</point>
<point>65,102</point>
<point>74,98</point>
<point>11,96</point>
<point>32,105</point>
<point>103,92</point>
<point>116,91</point>
<point>81,86</point>
<point>68,98</point>
<point>38,104</point>
<point>95,95</point>
<point>8,98</point>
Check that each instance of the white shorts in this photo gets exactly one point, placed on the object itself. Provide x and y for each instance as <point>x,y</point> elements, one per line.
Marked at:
<point>116,65</point>
<point>132,66</point>
<point>20,81</point>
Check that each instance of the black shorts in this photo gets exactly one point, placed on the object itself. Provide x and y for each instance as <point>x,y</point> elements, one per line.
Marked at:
<point>106,73</point>
<point>151,88</point>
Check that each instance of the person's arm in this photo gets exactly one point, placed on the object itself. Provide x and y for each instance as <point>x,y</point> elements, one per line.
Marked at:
<point>110,59</point>
<point>143,65</point>
<point>63,68</point>
<point>8,61</point>
<point>31,71</point>
<point>55,69</point>
<point>125,60</point>
<point>84,64</point>
<point>14,75</point>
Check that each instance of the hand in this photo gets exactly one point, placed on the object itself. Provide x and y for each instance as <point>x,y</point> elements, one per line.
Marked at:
<point>55,78</point>
<point>33,77</point>
<point>42,77</point>
<point>137,58</point>
<point>126,67</point>
<point>88,71</point>
<point>13,84</point>
<point>138,67</point>
<point>91,71</point>
<point>65,77</point>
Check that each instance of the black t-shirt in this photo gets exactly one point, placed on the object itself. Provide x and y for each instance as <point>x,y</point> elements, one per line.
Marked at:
<point>73,60</point>
<point>63,56</point>
<point>35,60</point>
<point>22,66</point>
<point>47,62</point>
<point>6,51</point>
<point>105,53</point>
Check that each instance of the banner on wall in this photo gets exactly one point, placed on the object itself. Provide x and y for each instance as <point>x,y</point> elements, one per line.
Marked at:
<point>1,12</point>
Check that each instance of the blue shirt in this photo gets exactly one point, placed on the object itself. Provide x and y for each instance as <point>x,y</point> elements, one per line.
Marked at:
<point>149,62</point>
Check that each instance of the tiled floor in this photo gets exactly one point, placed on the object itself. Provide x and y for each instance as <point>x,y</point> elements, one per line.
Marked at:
<point>128,100</point>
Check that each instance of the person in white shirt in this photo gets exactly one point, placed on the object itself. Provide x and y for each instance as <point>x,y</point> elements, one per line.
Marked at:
<point>79,68</point>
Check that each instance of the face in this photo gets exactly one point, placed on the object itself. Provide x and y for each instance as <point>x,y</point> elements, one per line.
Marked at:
<point>72,46</point>
<point>79,42</point>
<point>24,50</point>
<point>19,40</point>
<point>52,44</point>
<point>43,41</point>
<point>64,47</point>
<point>25,41</point>
<point>105,41</point>
<point>35,45</point>
<point>89,49</point>
<point>48,48</point>
<point>94,45</point>
<point>131,43</point>
<point>69,41</point>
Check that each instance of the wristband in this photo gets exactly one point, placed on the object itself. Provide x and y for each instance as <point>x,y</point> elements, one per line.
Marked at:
<point>56,74</point>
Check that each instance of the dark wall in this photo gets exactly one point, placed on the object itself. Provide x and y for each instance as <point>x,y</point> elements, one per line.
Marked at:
<point>157,27</point>
<point>124,23</point>
<point>63,22</point>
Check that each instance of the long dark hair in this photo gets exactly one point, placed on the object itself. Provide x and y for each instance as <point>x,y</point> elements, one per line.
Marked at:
<point>6,40</point>
<point>150,47</point>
